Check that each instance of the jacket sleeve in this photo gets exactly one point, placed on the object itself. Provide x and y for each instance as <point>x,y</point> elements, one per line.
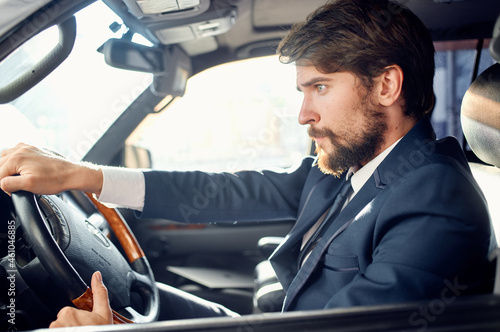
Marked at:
<point>198,197</point>
<point>430,241</point>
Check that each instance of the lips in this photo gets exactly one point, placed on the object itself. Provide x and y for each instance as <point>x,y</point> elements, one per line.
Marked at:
<point>317,135</point>
<point>318,139</point>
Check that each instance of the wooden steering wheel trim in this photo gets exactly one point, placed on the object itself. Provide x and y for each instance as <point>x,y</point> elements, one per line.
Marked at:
<point>85,302</point>
<point>122,232</point>
<point>129,244</point>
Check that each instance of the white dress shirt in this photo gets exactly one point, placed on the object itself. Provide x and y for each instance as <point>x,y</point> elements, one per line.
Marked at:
<point>123,187</point>
<point>361,175</point>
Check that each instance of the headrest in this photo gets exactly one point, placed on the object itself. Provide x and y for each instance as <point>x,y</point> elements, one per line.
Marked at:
<point>481,115</point>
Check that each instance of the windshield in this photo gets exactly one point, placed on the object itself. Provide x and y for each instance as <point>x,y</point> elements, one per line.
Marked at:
<point>237,115</point>
<point>71,108</point>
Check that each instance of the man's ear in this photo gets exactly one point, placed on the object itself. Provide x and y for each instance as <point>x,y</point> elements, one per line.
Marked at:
<point>390,84</point>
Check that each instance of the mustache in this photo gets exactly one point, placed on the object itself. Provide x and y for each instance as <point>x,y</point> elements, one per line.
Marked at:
<point>317,132</point>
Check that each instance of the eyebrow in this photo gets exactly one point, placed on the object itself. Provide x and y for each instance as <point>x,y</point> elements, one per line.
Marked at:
<point>314,81</point>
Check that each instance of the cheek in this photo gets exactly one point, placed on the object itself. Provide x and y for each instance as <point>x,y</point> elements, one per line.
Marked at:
<point>341,110</point>
<point>339,121</point>
<point>355,117</point>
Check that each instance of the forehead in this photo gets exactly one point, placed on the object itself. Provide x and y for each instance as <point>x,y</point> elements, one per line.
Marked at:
<point>306,70</point>
<point>307,73</point>
<point>310,75</point>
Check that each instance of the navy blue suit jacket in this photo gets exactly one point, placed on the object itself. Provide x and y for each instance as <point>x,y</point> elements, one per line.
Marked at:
<point>418,229</point>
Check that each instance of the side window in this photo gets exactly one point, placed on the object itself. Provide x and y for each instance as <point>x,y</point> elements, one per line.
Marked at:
<point>240,115</point>
<point>454,71</point>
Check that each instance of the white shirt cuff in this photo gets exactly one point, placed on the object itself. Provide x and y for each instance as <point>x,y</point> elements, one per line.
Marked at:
<point>123,187</point>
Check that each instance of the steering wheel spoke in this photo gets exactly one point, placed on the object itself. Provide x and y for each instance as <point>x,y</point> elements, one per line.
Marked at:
<point>70,248</point>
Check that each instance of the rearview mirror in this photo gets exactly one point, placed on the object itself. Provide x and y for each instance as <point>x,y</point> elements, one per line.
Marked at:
<point>127,55</point>
<point>171,66</point>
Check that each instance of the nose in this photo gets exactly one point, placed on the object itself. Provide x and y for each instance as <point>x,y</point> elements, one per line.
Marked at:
<point>307,114</point>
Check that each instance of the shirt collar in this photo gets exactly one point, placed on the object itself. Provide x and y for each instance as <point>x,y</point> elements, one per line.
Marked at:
<point>359,176</point>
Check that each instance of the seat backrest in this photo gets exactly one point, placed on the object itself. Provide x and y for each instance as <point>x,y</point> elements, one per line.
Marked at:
<point>481,126</point>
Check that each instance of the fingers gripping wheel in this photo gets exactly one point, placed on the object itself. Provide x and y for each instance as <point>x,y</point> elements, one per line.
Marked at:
<point>70,249</point>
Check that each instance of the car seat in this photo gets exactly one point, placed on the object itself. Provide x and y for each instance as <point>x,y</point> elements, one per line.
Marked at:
<point>480,116</point>
<point>268,294</point>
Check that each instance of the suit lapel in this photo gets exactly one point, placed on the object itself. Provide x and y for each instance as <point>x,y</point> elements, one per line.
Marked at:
<point>367,193</point>
<point>319,198</point>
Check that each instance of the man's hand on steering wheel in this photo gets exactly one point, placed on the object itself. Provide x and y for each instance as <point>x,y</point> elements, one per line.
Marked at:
<point>31,174</point>
<point>100,315</point>
<point>43,172</point>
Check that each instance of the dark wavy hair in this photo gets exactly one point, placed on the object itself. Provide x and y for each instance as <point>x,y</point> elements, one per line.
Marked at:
<point>364,37</point>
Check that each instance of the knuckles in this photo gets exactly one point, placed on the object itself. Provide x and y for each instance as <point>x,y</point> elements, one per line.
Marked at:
<point>66,312</point>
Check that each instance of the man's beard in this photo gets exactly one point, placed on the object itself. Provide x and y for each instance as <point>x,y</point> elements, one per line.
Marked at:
<point>351,148</point>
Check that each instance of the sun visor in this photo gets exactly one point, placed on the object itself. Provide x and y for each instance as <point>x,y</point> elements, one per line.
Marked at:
<point>12,12</point>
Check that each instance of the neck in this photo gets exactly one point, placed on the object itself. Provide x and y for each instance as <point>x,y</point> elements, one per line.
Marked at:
<point>396,128</point>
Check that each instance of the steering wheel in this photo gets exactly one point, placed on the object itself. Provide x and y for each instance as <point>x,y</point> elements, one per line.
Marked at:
<point>70,249</point>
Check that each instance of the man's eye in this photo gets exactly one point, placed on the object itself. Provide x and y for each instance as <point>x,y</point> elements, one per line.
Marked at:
<point>320,87</point>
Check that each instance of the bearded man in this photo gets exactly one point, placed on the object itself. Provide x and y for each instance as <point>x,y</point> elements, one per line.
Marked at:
<point>385,213</point>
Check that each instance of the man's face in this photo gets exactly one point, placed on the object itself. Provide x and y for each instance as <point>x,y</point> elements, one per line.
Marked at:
<point>347,128</point>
